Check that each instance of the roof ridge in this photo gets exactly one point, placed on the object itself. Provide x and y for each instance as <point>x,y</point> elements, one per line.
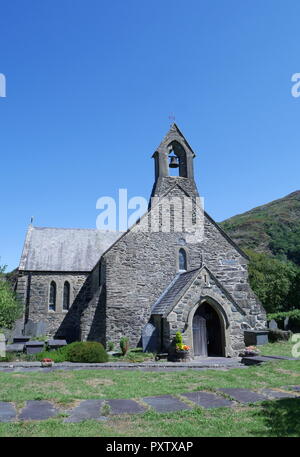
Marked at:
<point>75,228</point>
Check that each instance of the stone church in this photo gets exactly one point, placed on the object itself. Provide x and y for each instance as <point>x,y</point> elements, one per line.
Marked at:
<point>146,283</point>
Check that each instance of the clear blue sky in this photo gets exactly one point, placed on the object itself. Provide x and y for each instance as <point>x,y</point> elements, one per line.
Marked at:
<point>90,86</point>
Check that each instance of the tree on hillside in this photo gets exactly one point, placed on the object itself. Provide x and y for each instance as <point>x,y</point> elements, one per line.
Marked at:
<point>294,293</point>
<point>10,308</point>
<point>274,282</point>
<point>285,243</point>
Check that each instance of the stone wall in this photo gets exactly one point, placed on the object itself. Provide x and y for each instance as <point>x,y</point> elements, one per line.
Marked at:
<point>142,264</point>
<point>60,322</point>
<point>204,289</point>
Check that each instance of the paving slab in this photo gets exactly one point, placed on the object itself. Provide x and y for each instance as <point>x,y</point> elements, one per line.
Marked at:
<point>243,395</point>
<point>125,406</point>
<point>7,412</point>
<point>277,394</point>
<point>166,403</point>
<point>208,399</point>
<point>88,409</point>
<point>38,410</point>
<point>293,388</point>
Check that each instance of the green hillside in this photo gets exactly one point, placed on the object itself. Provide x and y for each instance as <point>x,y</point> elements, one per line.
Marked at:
<point>273,228</point>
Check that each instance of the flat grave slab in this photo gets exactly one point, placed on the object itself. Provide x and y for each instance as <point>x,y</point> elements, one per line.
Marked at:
<point>56,344</point>
<point>88,409</point>
<point>208,399</point>
<point>277,394</point>
<point>7,412</point>
<point>15,347</point>
<point>125,406</point>
<point>243,395</point>
<point>21,339</point>
<point>38,410</point>
<point>293,388</point>
<point>34,347</point>
<point>165,403</point>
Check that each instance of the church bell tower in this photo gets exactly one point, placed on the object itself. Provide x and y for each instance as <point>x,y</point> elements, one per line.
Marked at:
<point>174,152</point>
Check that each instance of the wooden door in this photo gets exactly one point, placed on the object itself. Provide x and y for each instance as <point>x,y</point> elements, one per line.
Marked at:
<point>199,336</point>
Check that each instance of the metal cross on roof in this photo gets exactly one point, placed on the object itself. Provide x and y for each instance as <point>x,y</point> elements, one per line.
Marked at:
<point>172,117</point>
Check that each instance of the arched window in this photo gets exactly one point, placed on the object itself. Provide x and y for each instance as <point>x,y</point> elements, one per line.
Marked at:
<point>66,300</point>
<point>182,260</point>
<point>52,296</point>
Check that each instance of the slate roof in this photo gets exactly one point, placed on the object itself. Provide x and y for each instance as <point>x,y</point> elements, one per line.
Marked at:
<point>64,249</point>
<point>174,291</point>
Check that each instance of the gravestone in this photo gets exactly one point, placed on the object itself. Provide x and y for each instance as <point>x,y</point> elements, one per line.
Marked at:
<point>34,347</point>
<point>38,410</point>
<point>273,324</point>
<point>18,328</point>
<point>255,337</point>
<point>86,410</point>
<point>2,345</point>
<point>166,403</point>
<point>56,344</point>
<point>286,323</point>
<point>7,412</point>
<point>20,339</point>
<point>36,329</point>
<point>150,338</point>
<point>15,347</point>
<point>125,406</point>
<point>274,394</point>
<point>243,395</point>
<point>208,399</point>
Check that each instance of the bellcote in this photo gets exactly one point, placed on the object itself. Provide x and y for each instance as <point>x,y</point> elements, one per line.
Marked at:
<point>174,151</point>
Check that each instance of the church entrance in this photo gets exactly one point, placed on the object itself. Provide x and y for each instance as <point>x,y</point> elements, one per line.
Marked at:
<point>207,334</point>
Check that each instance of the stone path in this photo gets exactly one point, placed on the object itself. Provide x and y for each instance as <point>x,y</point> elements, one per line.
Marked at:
<point>208,399</point>
<point>243,395</point>
<point>222,363</point>
<point>38,410</point>
<point>101,409</point>
<point>165,403</point>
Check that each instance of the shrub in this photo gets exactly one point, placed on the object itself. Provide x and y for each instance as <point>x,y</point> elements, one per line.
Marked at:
<point>110,346</point>
<point>178,338</point>
<point>179,343</point>
<point>124,344</point>
<point>80,351</point>
<point>294,318</point>
<point>10,307</point>
<point>58,355</point>
<point>86,352</point>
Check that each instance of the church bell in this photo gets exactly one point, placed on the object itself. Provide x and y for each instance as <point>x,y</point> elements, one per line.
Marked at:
<point>174,162</point>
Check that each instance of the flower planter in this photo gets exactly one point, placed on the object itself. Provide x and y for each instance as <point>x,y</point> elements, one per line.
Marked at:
<point>47,363</point>
<point>182,356</point>
<point>250,351</point>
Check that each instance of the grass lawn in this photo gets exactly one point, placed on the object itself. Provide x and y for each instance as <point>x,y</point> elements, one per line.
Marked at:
<point>282,348</point>
<point>276,418</point>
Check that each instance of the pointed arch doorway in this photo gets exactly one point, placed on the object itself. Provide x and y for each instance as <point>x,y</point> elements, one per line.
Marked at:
<point>207,332</point>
